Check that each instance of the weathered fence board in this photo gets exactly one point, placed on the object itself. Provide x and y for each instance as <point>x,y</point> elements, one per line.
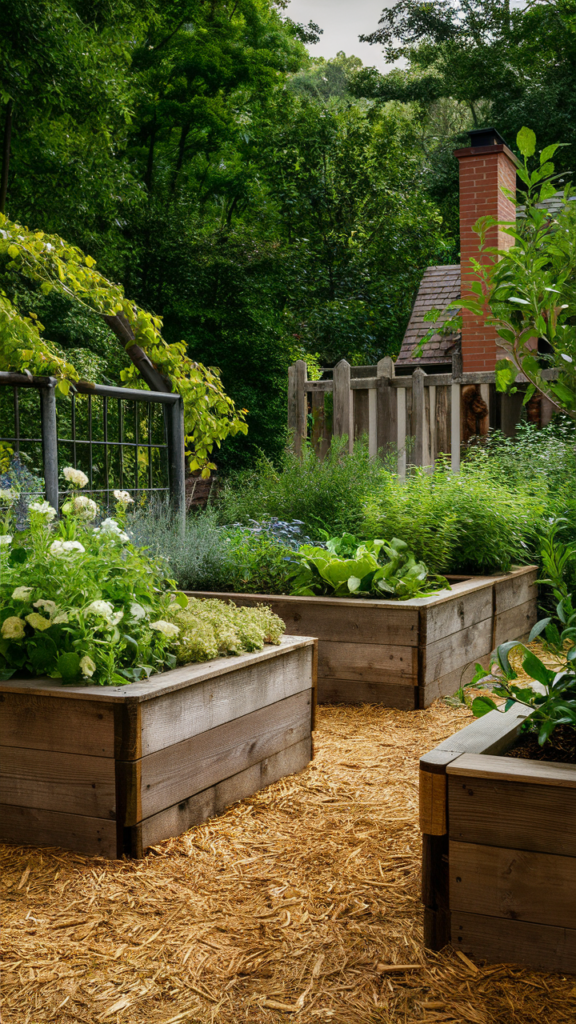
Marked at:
<point>421,415</point>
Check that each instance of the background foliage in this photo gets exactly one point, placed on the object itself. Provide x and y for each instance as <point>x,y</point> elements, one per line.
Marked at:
<point>265,204</point>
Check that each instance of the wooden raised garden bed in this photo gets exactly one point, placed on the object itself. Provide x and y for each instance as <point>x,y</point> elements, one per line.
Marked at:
<point>114,770</point>
<point>405,654</point>
<point>499,848</point>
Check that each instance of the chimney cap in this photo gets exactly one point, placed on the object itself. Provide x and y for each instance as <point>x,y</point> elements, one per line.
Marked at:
<point>486,137</point>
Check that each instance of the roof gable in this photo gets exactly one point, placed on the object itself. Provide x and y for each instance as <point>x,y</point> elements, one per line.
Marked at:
<point>439,286</point>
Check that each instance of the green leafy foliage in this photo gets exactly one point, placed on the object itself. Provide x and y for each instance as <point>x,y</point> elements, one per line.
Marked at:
<point>82,604</point>
<point>551,692</point>
<point>374,568</point>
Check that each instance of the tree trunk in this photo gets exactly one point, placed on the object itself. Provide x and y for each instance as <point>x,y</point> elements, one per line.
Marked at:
<point>154,379</point>
<point>6,155</point>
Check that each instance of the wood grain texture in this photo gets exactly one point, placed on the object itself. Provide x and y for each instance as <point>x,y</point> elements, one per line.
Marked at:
<point>432,803</point>
<point>465,609</point>
<point>539,773</point>
<point>195,809</point>
<point>353,691</point>
<point>435,895</point>
<point>515,588</point>
<point>177,772</point>
<point>55,781</point>
<point>375,663</point>
<point>52,723</point>
<point>517,815</point>
<point>542,947</point>
<point>41,827</point>
<point>516,884</point>
<point>515,622</point>
<point>492,734</point>
<point>178,716</point>
<point>447,684</point>
<point>455,650</point>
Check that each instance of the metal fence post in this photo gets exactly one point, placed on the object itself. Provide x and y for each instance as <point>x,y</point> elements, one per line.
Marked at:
<point>49,441</point>
<point>175,430</point>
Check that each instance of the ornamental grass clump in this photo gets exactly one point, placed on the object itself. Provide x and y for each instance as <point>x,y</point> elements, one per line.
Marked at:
<point>80,603</point>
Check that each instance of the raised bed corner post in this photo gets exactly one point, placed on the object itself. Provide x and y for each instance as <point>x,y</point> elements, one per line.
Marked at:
<point>49,428</point>
<point>343,407</point>
<point>176,462</point>
<point>298,404</point>
<point>434,828</point>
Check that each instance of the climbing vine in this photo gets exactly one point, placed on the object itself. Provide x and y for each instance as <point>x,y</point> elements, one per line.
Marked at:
<point>48,260</point>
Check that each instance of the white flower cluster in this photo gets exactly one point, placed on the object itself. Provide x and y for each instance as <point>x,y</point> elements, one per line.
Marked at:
<point>12,628</point>
<point>87,667</point>
<point>81,506</point>
<point>22,593</point>
<point>5,538</point>
<point>66,547</point>
<point>104,610</point>
<point>7,495</point>
<point>43,508</point>
<point>75,476</point>
<point>167,628</point>
<point>123,497</point>
<point>111,529</point>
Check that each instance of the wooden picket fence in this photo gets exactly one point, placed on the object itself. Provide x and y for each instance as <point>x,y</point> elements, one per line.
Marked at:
<point>417,416</point>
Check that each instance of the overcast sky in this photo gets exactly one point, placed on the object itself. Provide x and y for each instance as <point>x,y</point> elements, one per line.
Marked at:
<point>343,21</point>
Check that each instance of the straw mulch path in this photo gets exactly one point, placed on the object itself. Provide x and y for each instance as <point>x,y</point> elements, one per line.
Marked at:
<point>301,903</point>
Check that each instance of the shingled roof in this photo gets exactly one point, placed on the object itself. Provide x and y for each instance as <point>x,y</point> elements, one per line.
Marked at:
<point>440,285</point>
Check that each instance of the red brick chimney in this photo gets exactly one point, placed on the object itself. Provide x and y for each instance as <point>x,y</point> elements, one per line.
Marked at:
<point>486,166</point>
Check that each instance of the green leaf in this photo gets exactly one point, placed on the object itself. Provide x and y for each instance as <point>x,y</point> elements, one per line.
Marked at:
<point>68,666</point>
<point>526,141</point>
<point>181,599</point>
<point>538,628</point>
<point>482,706</point>
<point>42,653</point>
<point>17,556</point>
<point>537,670</point>
<point>547,153</point>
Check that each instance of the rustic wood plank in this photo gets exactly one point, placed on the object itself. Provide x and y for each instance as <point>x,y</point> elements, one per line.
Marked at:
<point>515,622</point>
<point>320,435</point>
<point>540,773</point>
<point>432,804</point>
<point>418,453</point>
<point>385,408</point>
<point>491,734</point>
<point>435,891</point>
<point>342,424</point>
<point>354,691</point>
<point>457,649</point>
<point>361,412</point>
<point>447,684</point>
<point>515,588</point>
<point>175,820</point>
<point>455,404</point>
<point>297,404</point>
<point>165,682</point>
<point>40,827</point>
<point>51,723</point>
<point>467,606</point>
<point>401,428</point>
<point>59,782</point>
<point>177,772</point>
<point>375,663</point>
<point>517,815</point>
<point>542,947</point>
<point>174,717</point>
<point>442,420</point>
<point>516,884</point>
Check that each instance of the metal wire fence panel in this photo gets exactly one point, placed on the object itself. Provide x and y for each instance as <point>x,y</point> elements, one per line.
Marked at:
<point>121,438</point>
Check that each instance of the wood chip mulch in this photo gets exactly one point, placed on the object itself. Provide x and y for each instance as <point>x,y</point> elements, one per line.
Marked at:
<point>301,903</point>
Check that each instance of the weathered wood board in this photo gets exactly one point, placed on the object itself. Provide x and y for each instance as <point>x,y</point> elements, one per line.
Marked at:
<point>405,654</point>
<point>499,848</point>
<point>113,770</point>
